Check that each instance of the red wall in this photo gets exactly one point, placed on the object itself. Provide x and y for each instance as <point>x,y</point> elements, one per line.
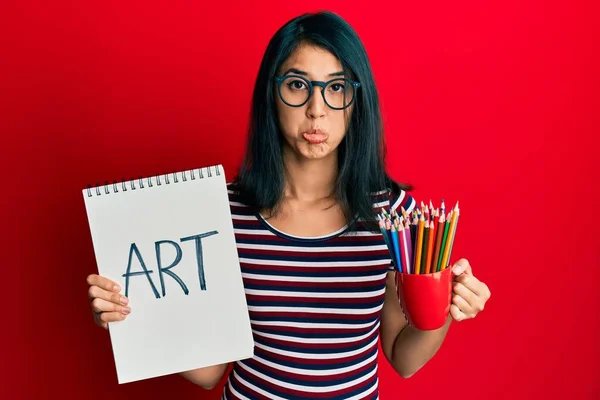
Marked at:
<point>493,105</point>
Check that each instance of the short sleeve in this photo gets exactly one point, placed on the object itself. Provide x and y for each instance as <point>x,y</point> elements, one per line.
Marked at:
<point>401,199</point>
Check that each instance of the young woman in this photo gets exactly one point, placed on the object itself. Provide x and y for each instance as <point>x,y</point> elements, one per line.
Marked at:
<point>315,267</point>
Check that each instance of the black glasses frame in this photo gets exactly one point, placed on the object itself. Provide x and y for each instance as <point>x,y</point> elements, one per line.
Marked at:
<point>311,84</point>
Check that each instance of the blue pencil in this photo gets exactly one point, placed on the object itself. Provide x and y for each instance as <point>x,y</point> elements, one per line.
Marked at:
<point>396,248</point>
<point>385,234</point>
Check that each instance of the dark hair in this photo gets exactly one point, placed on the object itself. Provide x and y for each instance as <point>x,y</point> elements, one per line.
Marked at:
<point>361,153</point>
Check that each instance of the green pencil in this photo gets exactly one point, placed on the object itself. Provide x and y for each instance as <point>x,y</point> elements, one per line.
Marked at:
<point>446,227</point>
<point>424,247</point>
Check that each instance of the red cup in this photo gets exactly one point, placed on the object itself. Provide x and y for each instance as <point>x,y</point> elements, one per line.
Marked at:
<point>425,298</point>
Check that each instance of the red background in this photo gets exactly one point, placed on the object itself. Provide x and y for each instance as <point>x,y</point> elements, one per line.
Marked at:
<point>495,105</point>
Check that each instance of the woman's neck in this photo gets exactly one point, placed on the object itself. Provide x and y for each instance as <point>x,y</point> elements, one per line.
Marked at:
<point>310,180</point>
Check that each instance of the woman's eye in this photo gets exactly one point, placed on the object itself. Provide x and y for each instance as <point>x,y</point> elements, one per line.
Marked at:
<point>296,85</point>
<point>337,87</point>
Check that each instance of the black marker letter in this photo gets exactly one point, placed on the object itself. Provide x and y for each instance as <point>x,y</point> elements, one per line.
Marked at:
<point>146,271</point>
<point>198,239</point>
<point>166,269</point>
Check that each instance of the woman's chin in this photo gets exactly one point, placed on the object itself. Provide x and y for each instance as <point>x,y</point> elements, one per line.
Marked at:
<point>315,151</point>
<point>310,151</point>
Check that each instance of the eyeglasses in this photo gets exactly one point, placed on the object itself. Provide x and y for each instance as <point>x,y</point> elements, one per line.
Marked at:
<point>295,90</point>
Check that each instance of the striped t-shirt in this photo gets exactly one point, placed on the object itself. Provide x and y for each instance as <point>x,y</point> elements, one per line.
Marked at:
<point>314,308</point>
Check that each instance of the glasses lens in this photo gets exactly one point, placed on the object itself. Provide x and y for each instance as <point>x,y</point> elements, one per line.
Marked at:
<point>294,90</point>
<point>339,93</point>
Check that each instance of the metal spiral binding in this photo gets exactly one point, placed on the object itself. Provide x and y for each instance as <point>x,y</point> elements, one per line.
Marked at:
<point>131,184</point>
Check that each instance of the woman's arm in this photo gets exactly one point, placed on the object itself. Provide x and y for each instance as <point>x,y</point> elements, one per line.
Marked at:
<point>206,377</point>
<point>406,348</point>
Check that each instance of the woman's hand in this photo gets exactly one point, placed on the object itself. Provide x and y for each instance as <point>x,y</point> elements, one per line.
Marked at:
<point>469,295</point>
<point>108,305</point>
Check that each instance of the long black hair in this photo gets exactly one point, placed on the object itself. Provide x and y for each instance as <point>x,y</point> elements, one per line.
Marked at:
<point>362,152</point>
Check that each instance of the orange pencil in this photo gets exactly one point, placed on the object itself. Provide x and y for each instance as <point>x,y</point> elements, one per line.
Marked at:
<point>430,248</point>
<point>450,236</point>
<point>419,246</point>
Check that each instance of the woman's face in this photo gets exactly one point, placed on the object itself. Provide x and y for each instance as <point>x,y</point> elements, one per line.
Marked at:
<point>313,130</point>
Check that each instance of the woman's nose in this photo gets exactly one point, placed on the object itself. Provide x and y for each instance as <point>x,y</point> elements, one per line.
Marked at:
<point>316,103</point>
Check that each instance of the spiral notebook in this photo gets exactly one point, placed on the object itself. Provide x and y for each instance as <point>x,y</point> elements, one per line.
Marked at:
<point>168,240</point>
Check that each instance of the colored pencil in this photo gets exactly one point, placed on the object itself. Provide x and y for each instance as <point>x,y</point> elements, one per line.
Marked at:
<point>444,237</point>
<point>457,210</point>
<point>399,229</point>
<point>430,248</point>
<point>432,209</point>
<point>385,234</point>
<point>404,247</point>
<point>445,243</point>
<point>445,259</point>
<point>396,248</point>
<point>413,232</point>
<point>419,246</point>
<point>425,245</point>
<point>388,232</point>
<point>407,228</point>
<point>438,242</point>
<point>385,214</point>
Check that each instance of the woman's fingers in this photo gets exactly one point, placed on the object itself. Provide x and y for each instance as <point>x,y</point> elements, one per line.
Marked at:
<point>104,318</point>
<point>103,283</point>
<point>462,305</point>
<point>461,290</point>
<point>100,305</point>
<point>457,315</point>
<point>95,292</point>
<point>107,303</point>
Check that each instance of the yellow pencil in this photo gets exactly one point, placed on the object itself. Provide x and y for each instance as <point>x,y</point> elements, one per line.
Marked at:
<point>420,231</point>
<point>451,233</point>
<point>457,210</point>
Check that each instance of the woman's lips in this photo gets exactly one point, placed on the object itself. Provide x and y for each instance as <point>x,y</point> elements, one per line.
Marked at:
<point>315,136</point>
